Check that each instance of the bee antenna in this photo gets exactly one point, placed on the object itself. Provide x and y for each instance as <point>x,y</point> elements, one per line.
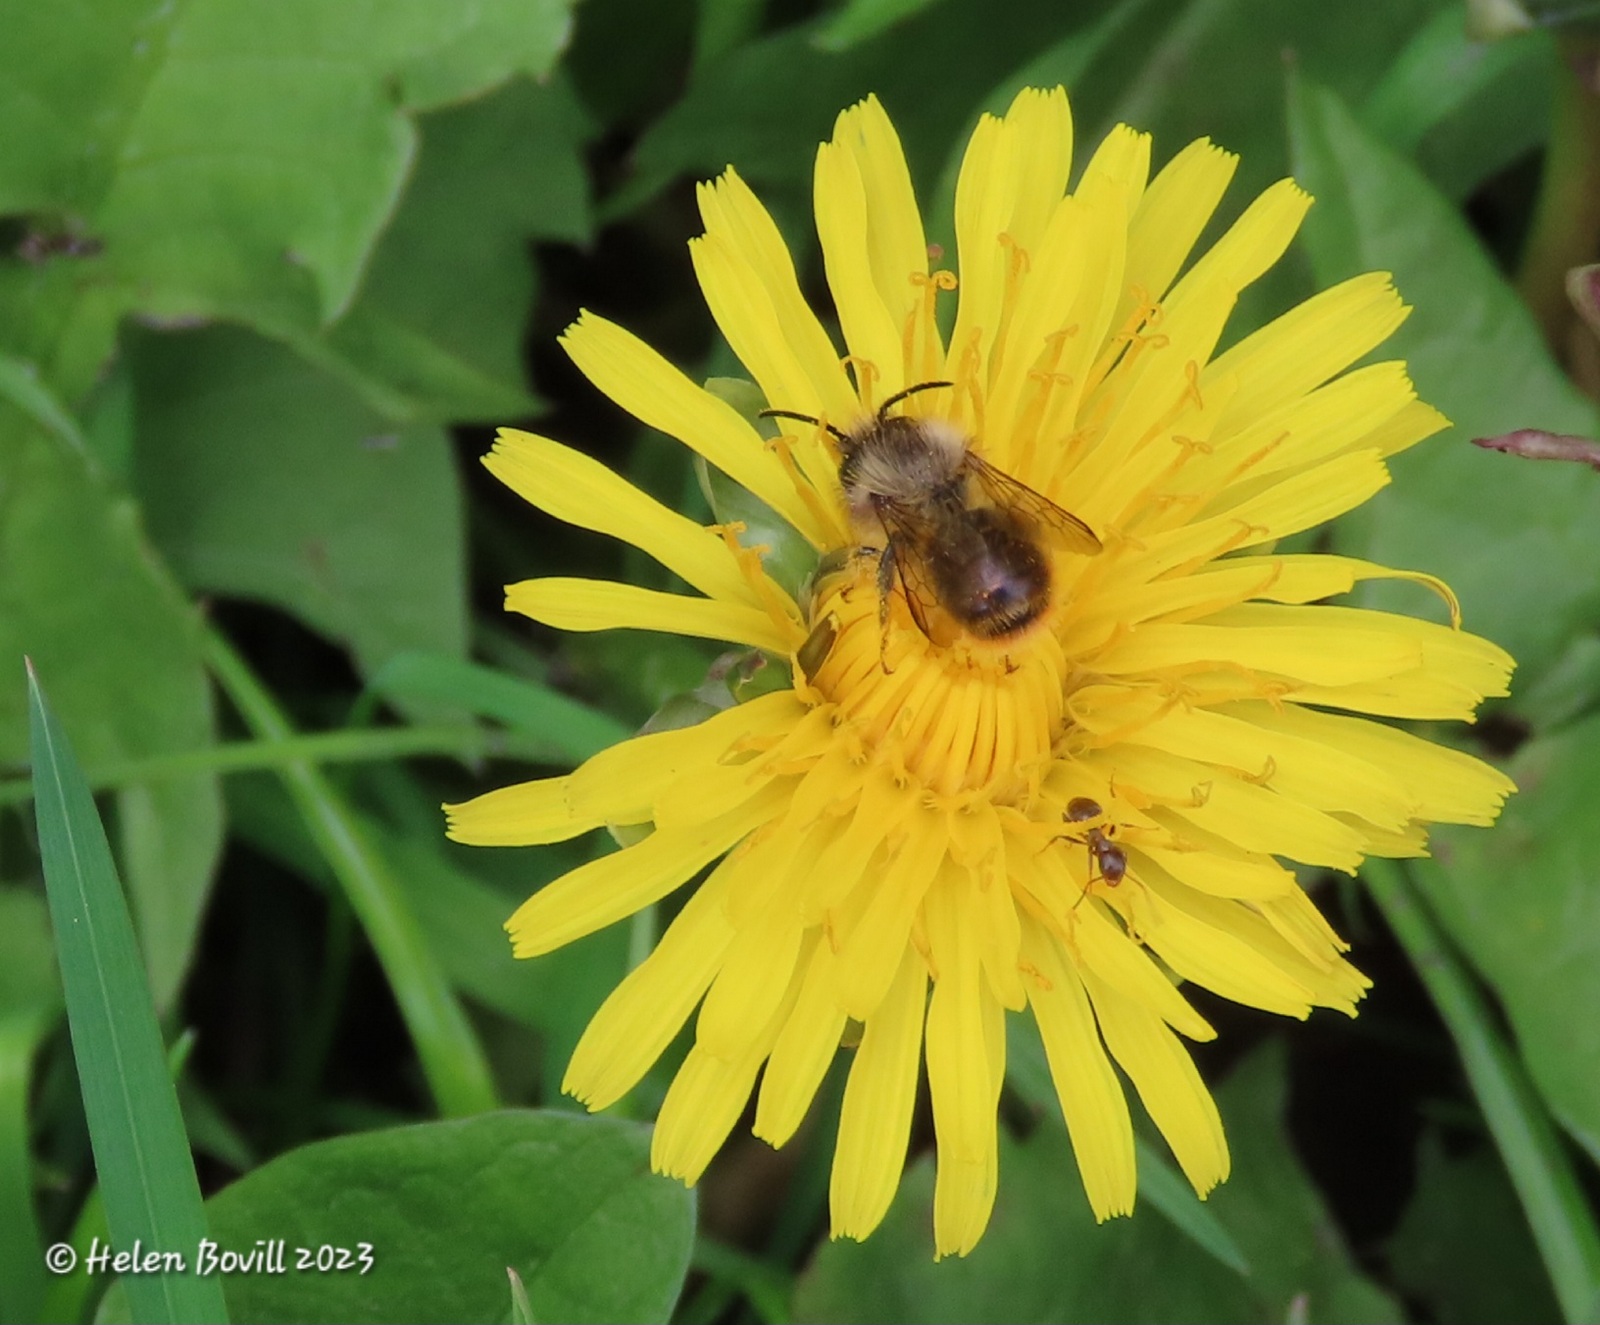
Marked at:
<point>802,418</point>
<point>898,396</point>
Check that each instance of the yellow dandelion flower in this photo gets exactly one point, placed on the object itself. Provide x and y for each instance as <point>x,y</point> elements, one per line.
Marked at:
<point>1054,808</point>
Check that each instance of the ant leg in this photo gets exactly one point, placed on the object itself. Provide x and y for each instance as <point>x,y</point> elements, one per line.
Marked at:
<point>1092,880</point>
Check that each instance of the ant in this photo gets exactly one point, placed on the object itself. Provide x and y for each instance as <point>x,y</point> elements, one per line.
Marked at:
<point>1104,854</point>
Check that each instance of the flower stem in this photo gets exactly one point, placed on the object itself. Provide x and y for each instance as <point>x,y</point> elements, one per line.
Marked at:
<point>452,1059</point>
<point>1561,1221</point>
<point>1565,231</point>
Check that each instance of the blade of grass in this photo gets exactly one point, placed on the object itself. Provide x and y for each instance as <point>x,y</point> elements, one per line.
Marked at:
<point>452,1060</point>
<point>141,1153</point>
<point>336,747</point>
<point>1562,1223</point>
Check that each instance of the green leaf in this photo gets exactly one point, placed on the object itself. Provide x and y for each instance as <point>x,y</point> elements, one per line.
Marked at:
<point>239,161</point>
<point>1463,1247</point>
<point>1464,109</point>
<point>1045,1259</point>
<point>1524,901</point>
<point>20,384</point>
<point>437,330</point>
<point>861,20</point>
<point>573,730</point>
<point>1160,1184</point>
<point>1559,1215</point>
<point>765,106</point>
<point>81,593</point>
<point>1514,538</point>
<point>30,1001</point>
<point>569,1203</point>
<point>1275,1211</point>
<point>262,478</point>
<point>141,1154</point>
<point>720,25</point>
<point>1214,69</point>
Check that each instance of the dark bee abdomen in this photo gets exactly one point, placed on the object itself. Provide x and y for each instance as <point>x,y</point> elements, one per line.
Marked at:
<point>989,573</point>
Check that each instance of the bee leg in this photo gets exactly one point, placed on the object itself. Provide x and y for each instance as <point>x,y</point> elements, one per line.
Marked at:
<point>886,569</point>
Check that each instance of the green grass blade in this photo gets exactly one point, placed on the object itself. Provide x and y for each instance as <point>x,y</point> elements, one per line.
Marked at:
<point>141,1152</point>
<point>452,1059</point>
<point>1562,1223</point>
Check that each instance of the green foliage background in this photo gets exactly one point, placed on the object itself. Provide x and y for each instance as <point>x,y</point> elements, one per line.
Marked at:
<point>269,272</point>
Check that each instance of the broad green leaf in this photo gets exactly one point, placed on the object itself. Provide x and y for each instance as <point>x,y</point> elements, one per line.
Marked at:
<point>437,329</point>
<point>574,730</point>
<point>142,1159</point>
<point>1215,69</point>
<point>263,478</point>
<point>1464,109</point>
<point>1558,1212</point>
<point>1514,538</point>
<point>1275,1211</point>
<point>239,160</point>
<point>81,593</point>
<point>637,671</point>
<point>568,1202</point>
<point>1042,1259</point>
<point>861,20</point>
<point>626,69</point>
<point>30,1001</point>
<point>1045,1259</point>
<point>1463,1246</point>
<point>765,106</point>
<point>1160,1184</point>
<point>720,25</point>
<point>1524,900</point>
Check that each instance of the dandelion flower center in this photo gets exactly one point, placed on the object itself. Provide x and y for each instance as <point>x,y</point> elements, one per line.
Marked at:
<point>964,719</point>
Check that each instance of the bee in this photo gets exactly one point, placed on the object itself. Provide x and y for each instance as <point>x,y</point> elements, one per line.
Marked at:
<point>1104,854</point>
<point>953,530</point>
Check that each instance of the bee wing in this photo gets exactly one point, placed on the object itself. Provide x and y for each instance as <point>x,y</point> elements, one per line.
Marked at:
<point>905,541</point>
<point>1009,493</point>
